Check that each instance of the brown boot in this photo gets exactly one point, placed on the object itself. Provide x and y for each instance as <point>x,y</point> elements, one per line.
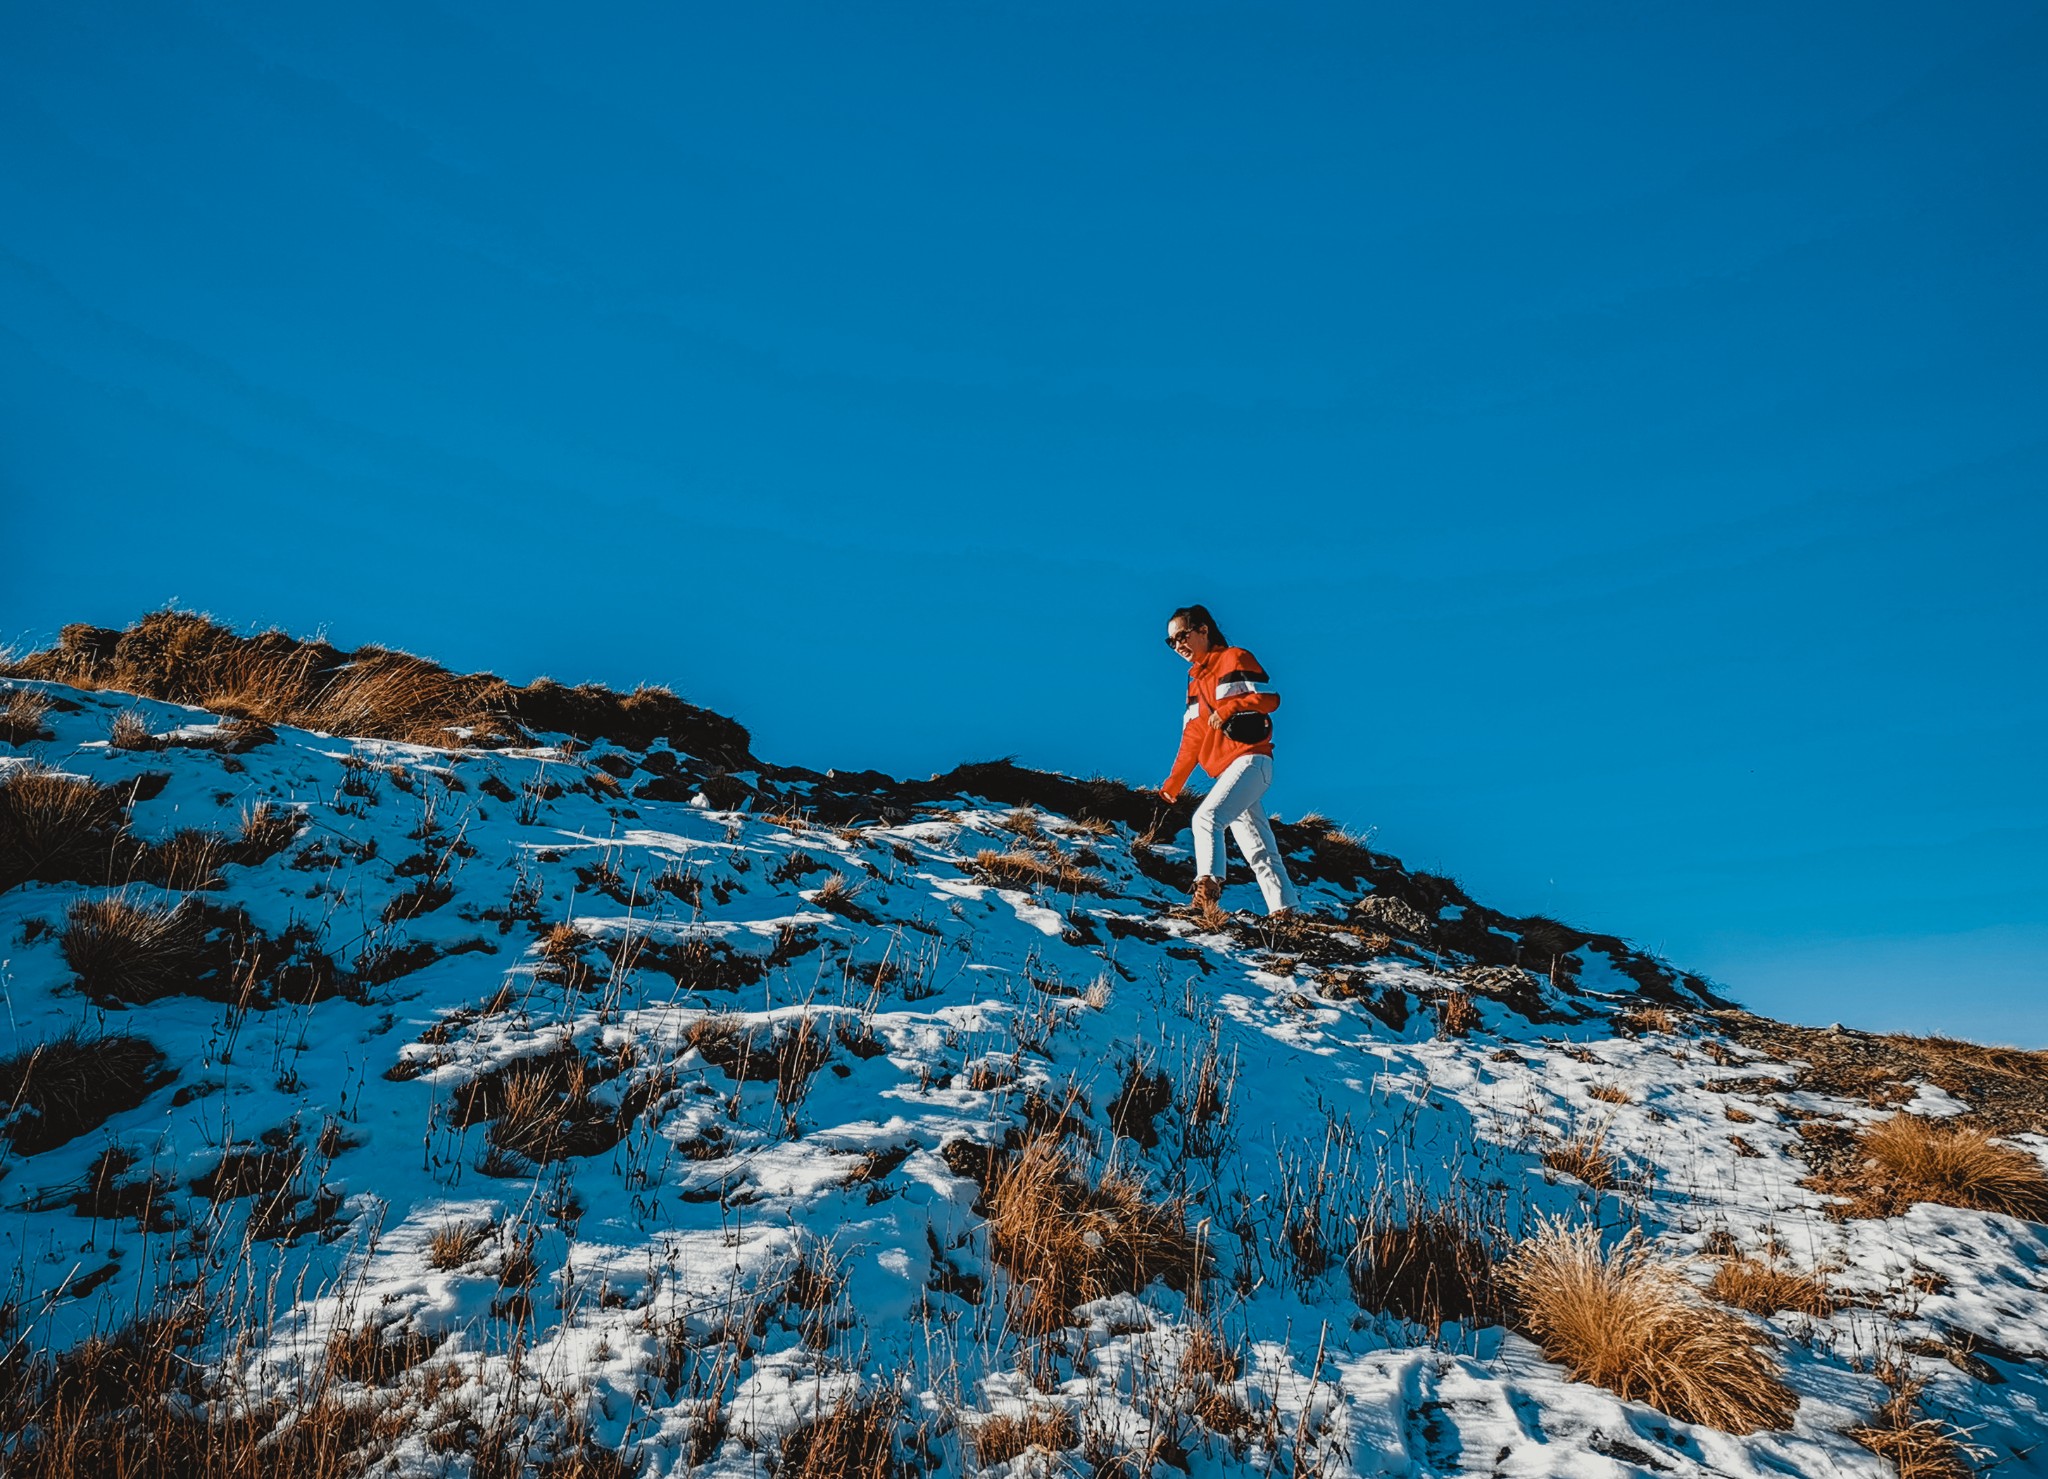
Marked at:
<point>1207,892</point>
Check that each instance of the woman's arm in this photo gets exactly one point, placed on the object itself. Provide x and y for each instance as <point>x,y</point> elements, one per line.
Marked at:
<point>1190,747</point>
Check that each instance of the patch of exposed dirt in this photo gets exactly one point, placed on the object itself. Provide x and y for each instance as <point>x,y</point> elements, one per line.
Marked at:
<point>2006,1088</point>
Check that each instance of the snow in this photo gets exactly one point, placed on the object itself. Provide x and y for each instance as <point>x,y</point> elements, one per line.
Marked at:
<point>644,1235</point>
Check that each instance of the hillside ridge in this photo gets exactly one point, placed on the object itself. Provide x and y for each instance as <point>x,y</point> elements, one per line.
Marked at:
<point>526,1102</point>
<point>662,748</point>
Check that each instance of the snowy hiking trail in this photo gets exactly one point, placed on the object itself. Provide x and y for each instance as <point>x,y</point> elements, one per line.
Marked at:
<point>769,1047</point>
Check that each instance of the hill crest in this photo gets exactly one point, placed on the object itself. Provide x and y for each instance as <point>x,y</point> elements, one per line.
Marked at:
<point>565,1104</point>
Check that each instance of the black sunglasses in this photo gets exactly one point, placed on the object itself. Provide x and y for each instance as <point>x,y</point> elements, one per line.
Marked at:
<point>1181,636</point>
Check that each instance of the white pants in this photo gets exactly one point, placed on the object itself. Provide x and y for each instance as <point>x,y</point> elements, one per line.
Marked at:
<point>1234,802</point>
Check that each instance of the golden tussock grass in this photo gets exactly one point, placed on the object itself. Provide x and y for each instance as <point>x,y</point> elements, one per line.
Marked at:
<point>1065,1239</point>
<point>1610,1094</point>
<point>186,860</point>
<point>984,1077</point>
<point>1623,1319</point>
<point>1916,1159</point>
<point>1018,868</point>
<point>537,1104</point>
<point>786,1056</point>
<point>1209,1364</point>
<point>1764,1289</point>
<point>2027,1063</point>
<point>997,1440</point>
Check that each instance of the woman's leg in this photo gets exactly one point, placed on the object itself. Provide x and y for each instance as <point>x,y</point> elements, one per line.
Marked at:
<point>1254,836</point>
<point>1211,817</point>
<point>1235,793</point>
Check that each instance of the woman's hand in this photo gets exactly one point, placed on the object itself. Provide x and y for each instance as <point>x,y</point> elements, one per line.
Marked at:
<point>1215,719</point>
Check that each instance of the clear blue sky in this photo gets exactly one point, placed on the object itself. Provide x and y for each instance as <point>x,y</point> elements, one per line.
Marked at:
<point>1619,427</point>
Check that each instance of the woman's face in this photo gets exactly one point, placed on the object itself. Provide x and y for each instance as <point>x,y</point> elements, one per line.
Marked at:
<point>1189,639</point>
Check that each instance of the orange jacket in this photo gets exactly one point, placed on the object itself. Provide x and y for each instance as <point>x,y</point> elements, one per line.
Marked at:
<point>1228,681</point>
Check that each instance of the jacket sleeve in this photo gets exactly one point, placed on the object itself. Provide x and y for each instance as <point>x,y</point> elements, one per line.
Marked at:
<point>1190,746</point>
<point>1243,685</point>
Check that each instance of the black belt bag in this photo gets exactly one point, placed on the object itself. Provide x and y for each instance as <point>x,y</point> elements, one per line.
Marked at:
<point>1248,727</point>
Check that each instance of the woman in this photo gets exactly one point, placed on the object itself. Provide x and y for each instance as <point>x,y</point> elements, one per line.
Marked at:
<point>1226,731</point>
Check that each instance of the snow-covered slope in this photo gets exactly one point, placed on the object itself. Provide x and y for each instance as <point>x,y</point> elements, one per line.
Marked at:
<point>627,1121</point>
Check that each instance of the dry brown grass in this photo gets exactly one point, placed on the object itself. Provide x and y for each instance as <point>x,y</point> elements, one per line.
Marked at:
<point>133,952</point>
<point>58,828</point>
<point>540,1110</point>
<point>130,731</point>
<point>997,1440</point>
<point>21,716</point>
<point>1610,1093</point>
<point>538,1104</point>
<point>453,1244</point>
<point>374,692</point>
<point>1019,868</point>
<point>1585,1156</point>
<point>1764,1289</point>
<point>137,1405</point>
<point>785,1056</point>
<point>1639,1020</point>
<point>987,1076</point>
<point>1209,1354</point>
<point>841,895</point>
<point>1066,1239</point>
<point>1625,1320</point>
<point>1922,1447</point>
<point>1023,821</point>
<point>1457,1015</point>
<point>1916,1159</point>
<point>1427,1260</point>
<point>186,860</point>
<point>73,1083</point>
<point>373,1354</point>
<point>853,1439</point>
<point>266,831</point>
